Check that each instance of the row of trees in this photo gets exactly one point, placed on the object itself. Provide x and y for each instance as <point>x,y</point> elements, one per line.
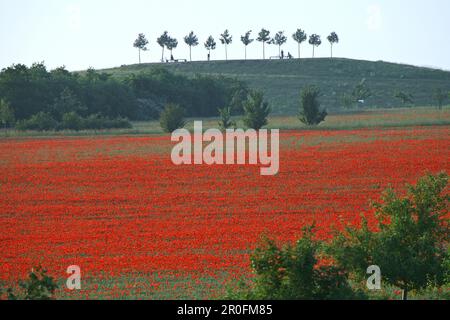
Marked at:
<point>439,96</point>
<point>165,41</point>
<point>37,95</point>
<point>256,111</point>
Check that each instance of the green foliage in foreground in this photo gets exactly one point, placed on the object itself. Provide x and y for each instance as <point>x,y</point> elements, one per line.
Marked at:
<point>291,272</point>
<point>38,286</point>
<point>410,246</point>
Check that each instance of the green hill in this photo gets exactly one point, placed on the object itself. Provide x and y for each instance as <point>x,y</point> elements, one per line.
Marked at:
<point>281,80</point>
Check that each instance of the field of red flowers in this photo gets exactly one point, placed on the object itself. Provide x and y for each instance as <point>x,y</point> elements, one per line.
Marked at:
<point>141,227</point>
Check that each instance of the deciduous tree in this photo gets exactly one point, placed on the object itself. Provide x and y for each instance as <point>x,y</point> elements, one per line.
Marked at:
<point>226,39</point>
<point>333,39</point>
<point>141,44</point>
<point>246,40</point>
<point>279,40</point>
<point>264,37</point>
<point>210,44</point>
<point>315,41</point>
<point>299,37</point>
<point>162,41</point>
<point>192,41</point>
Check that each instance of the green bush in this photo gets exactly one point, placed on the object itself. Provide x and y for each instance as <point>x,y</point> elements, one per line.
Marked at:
<point>256,110</point>
<point>38,286</point>
<point>310,113</point>
<point>41,121</point>
<point>172,118</point>
<point>225,121</point>
<point>293,272</point>
<point>410,244</point>
<point>72,121</point>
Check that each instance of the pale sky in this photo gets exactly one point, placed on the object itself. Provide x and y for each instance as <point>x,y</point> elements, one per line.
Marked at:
<point>100,33</point>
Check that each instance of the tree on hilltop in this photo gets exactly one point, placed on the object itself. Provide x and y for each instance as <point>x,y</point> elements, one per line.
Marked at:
<point>226,39</point>
<point>210,44</point>
<point>162,41</point>
<point>264,37</point>
<point>246,40</point>
<point>141,44</point>
<point>279,40</point>
<point>299,37</point>
<point>333,38</point>
<point>192,41</point>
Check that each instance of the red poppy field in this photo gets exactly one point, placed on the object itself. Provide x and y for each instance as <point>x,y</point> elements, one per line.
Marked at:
<point>141,227</point>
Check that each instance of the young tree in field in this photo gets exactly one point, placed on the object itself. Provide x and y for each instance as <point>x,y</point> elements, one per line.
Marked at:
<point>310,112</point>
<point>192,41</point>
<point>6,115</point>
<point>171,44</point>
<point>361,92</point>
<point>410,244</point>
<point>226,121</point>
<point>333,39</point>
<point>210,44</point>
<point>315,41</point>
<point>246,40</point>
<point>439,96</point>
<point>279,40</point>
<point>264,37</point>
<point>256,110</point>
<point>141,44</point>
<point>162,41</point>
<point>406,98</point>
<point>299,37</point>
<point>226,39</point>
<point>172,118</point>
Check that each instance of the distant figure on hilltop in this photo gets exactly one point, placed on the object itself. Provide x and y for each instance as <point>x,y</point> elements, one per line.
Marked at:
<point>282,54</point>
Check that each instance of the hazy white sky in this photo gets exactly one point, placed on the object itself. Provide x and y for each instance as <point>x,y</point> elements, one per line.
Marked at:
<point>100,33</point>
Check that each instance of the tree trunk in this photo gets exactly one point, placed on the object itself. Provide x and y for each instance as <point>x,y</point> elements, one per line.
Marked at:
<point>279,51</point>
<point>405,294</point>
<point>313,51</point>
<point>139,56</point>
<point>264,51</point>
<point>331,51</point>
<point>245,52</point>
<point>162,55</point>
<point>226,53</point>
<point>190,53</point>
<point>299,51</point>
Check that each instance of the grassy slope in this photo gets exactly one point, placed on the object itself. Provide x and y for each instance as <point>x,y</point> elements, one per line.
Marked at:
<point>282,80</point>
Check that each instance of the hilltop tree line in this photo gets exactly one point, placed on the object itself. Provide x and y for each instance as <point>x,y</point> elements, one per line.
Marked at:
<point>37,99</point>
<point>165,41</point>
